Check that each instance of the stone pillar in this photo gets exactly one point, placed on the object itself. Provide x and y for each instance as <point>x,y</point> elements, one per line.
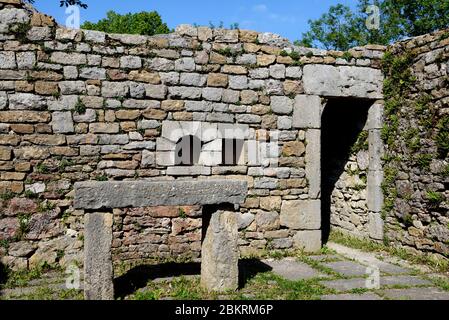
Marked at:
<point>374,195</point>
<point>220,253</point>
<point>98,269</point>
<point>305,215</point>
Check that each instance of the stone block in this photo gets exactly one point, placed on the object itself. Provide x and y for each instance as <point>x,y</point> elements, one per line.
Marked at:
<point>344,81</point>
<point>220,253</point>
<point>307,112</point>
<point>98,270</point>
<point>313,162</point>
<point>375,197</point>
<point>301,214</point>
<point>376,226</point>
<point>122,194</point>
<point>376,150</point>
<point>62,122</point>
<point>309,241</point>
<point>281,105</point>
<point>375,117</point>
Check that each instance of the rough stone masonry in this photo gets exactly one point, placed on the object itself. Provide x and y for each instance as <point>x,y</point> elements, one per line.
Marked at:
<point>79,106</point>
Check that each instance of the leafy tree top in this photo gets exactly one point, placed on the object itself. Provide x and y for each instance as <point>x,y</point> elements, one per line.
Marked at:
<point>145,23</point>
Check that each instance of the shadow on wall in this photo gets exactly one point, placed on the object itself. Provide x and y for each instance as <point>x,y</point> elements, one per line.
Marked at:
<point>342,122</point>
<point>3,274</point>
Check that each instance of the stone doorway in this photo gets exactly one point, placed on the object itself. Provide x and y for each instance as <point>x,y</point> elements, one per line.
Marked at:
<point>350,168</point>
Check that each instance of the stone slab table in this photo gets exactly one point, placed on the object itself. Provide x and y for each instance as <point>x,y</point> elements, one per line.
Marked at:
<point>219,263</point>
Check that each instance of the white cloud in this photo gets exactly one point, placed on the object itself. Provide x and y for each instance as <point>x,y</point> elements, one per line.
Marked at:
<point>260,8</point>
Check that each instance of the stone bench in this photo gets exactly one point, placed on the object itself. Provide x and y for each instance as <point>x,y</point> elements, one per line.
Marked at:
<point>220,253</point>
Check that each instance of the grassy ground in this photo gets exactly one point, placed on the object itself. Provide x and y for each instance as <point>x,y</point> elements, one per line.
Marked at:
<point>258,284</point>
<point>438,265</point>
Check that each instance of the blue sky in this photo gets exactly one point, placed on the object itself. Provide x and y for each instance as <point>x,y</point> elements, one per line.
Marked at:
<point>285,17</point>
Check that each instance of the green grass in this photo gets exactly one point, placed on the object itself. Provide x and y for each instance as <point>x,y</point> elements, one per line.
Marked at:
<point>47,293</point>
<point>263,286</point>
<point>434,198</point>
<point>439,265</point>
<point>20,278</point>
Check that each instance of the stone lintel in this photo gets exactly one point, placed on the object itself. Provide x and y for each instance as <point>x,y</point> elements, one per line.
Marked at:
<point>122,194</point>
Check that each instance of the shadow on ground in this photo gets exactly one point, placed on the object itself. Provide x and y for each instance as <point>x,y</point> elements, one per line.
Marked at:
<point>138,277</point>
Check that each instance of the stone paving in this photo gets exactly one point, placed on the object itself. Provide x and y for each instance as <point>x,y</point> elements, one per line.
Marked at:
<point>346,274</point>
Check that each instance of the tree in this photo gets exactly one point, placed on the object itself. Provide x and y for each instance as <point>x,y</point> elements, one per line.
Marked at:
<point>341,28</point>
<point>145,23</point>
<point>66,3</point>
<point>335,29</point>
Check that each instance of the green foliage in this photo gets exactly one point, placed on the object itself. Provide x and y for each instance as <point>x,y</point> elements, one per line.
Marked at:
<point>412,139</point>
<point>45,206</point>
<point>422,104</point>
<point>182,213</point>
<point>342,28</point>
<point>334,30</point>
<point>7,195</point>
<point>434,198</point>
<point>295,55</point>
<point>347,56</point>
<point>102,178</point>
<point>66,3</point>
<point>398,73</point>
<point>411,256</point>
<point>4,243</point>
<point>407,220</point>
<point>361,143</point>
<point>227,52</point>
<point>63,164</point>
<point>445,172</point>
<point>144,23</point>
<point>442,137</point>
<point>423,160</point>
<point>20,31</point>
<point>80,107</point>
<point>42,168</point>
<point>24,225</point>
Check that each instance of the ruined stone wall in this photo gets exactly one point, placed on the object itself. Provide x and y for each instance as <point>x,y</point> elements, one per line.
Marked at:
<point>349,211</point>
<point>83,105</point>
<point>416,136</point>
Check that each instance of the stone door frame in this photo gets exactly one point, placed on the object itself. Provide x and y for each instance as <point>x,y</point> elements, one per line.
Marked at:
<point>307,116</point>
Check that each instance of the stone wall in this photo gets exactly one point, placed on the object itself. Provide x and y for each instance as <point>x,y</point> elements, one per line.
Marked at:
<point>79,105</point>
<point>416,136</point>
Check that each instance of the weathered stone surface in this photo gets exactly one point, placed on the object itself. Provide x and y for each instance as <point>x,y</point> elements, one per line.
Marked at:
<point>301,214</point>
<point>146,193</point>
<point>62,122</point>
<point>345,81</point>
<point>220,254</point>
<point>313,162</point>
<point>281,105</point>
<point>98,270</point>
<point>349,296</point>
<point>293,270</point>
<point>307,112</point>
<point>415,294</point>
<point>309,241</point>
<point>26,101</point>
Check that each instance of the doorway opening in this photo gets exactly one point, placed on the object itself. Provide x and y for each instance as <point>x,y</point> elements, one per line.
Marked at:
<point>344,165</point>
